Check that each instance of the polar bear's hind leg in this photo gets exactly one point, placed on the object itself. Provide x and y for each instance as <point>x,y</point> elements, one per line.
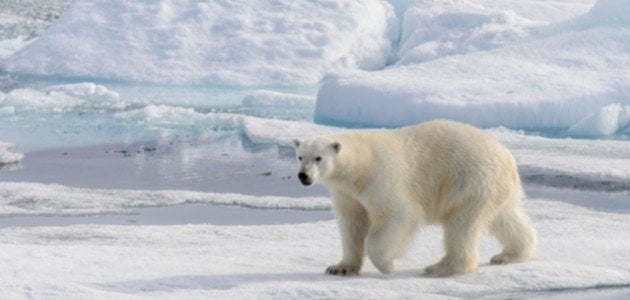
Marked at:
<point>462,234</point>
<point>515,232</point>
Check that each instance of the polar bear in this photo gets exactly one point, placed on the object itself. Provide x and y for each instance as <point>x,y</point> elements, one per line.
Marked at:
<point>386,184</point>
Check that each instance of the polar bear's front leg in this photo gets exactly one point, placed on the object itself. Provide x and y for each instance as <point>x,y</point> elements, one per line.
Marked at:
<point>353,226</point>
<point>389,237</point>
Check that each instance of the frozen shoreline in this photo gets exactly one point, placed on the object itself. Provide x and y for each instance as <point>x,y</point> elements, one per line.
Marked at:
<point>134,184</point>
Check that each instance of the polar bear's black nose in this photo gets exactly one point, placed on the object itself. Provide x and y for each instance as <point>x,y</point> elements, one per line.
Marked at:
<point>304,178</point>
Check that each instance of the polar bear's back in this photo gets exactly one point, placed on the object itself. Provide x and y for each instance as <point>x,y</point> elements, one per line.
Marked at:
<point>430,162</point>
<point>455,162</point>
<point>459,143</point>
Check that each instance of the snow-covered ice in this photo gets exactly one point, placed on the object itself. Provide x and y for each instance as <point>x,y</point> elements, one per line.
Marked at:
<point>579,249</point>
<point>226,43</point>
<point>60,98</point>
<point>22,198</point>
<point>514,64</point>
<point>610,119</point>
<point>7,156</point>
<point>549,79</point>
<point>272,98</point>
<point>22,21</point>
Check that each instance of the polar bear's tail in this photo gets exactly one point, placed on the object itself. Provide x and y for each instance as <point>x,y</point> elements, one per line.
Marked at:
<point>514,230</point>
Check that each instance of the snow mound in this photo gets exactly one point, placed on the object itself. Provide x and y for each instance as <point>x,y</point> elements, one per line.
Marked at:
<point>261,98</point>
<point>258,131</point>
<point>279,132</point>
<point>87,90</point>
<point>432,29</point>
<point>21,198</point>
<point>174,116</point>
<point>225,43</point>
<point>610,119</point>
<point>7,156</point>
<point>550,80</point>
<point>62,98</point>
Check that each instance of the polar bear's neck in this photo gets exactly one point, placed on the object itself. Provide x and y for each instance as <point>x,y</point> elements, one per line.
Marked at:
<point>353,167</point>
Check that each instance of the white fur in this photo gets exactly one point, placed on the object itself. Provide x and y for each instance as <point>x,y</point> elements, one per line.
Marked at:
<point>386,184</point>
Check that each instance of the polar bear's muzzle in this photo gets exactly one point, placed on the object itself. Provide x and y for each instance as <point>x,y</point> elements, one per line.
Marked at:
<point>305,179</point>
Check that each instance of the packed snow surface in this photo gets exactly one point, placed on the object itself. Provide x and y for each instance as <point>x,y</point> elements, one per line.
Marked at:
<point>578,249</point>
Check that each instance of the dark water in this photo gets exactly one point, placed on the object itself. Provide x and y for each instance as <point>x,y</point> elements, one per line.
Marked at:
<point>222,166</point>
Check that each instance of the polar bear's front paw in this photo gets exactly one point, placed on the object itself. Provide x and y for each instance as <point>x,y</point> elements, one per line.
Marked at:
<point>507,258</point>
<point>343,270</point>
<point>442,269</point>
<point>438,270</point>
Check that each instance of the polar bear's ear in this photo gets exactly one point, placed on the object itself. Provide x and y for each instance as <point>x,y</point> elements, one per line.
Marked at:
<point>336,146</point>
<point>296,143</point>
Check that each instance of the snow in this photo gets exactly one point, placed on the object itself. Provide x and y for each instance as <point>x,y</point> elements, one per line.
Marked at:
<point>578,249</point>
<point>61,98</point>
<point>7,156</point>
<point>172,116</point>
<point>489,70</point>
<point>217,42</point>
<point>25,198</point>
<point>22,21</point>
<point>260,98</point>
<point>279,132</point>
<point>575,163</point>
<point>9,46</point>
<point>258,131</point>
<point>434,29</point>
<point>609,120</point>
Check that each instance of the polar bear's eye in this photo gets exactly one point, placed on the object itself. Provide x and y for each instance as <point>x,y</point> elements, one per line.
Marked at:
<point>300,158</point>
<point>318,158</point>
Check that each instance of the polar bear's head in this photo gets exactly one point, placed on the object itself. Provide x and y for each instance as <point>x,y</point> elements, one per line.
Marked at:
<point>316,158</point>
